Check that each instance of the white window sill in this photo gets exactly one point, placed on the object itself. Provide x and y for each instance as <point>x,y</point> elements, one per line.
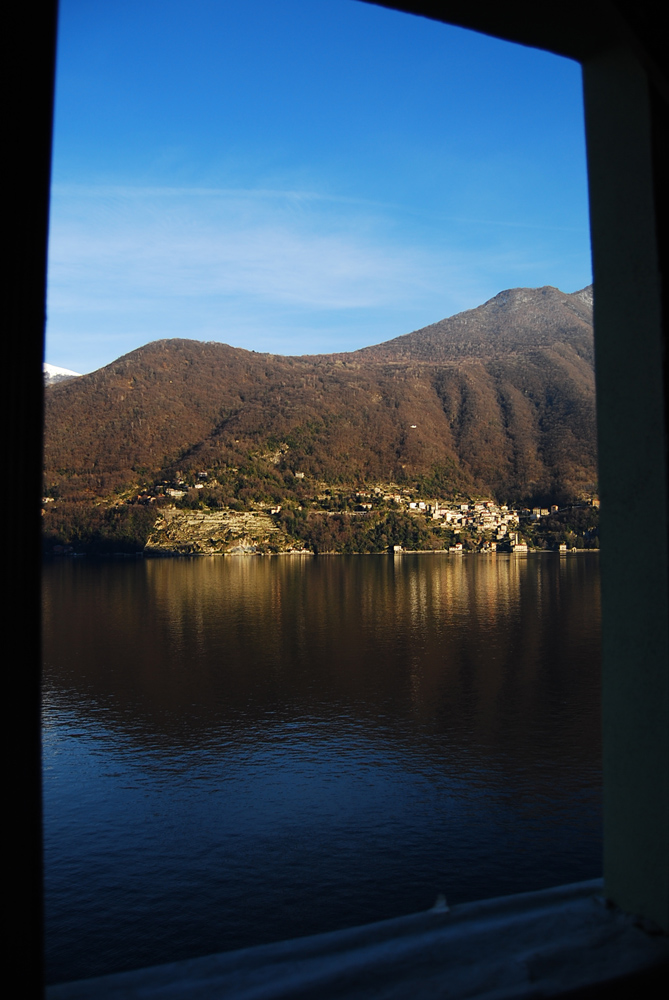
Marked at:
<point>536,944</point>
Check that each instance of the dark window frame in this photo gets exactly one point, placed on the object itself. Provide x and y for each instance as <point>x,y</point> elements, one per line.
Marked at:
<point>626,93</point>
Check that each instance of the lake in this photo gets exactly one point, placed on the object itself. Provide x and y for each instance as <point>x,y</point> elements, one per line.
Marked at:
<point>240,750</point>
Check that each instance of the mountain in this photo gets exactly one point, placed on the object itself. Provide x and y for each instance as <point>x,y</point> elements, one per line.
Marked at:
<point>498,400</point>
<point>53,374</point>
<point>517,320</point>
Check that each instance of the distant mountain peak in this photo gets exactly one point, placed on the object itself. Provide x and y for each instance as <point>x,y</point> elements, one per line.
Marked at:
<point>516,319</point>
<point>514,298</point>
<point>54,374</point>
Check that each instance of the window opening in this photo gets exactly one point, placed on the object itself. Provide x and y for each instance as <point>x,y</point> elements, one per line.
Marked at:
<point>372,256</point>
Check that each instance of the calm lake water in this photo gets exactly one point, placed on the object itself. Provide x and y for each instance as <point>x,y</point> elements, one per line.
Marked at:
<point>242,750</point>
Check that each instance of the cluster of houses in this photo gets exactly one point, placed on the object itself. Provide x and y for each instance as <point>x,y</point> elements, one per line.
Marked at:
<point>174,491</point>
<point>495,525</point>
<point>498,523</point>
<point>480,517</point>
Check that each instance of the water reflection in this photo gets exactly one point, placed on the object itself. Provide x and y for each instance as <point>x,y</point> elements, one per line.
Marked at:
<point>239,750</point>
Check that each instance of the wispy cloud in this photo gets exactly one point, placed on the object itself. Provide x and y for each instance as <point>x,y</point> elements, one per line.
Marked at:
<point>281,246</point>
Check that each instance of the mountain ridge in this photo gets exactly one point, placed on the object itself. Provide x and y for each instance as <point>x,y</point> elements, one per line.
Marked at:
<point>497,400</point>
<point>468,330</point>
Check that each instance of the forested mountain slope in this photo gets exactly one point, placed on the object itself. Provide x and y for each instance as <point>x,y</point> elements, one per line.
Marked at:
<point>498,400</point>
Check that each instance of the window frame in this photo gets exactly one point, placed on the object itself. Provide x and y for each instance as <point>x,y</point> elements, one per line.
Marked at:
<point>621,49</point>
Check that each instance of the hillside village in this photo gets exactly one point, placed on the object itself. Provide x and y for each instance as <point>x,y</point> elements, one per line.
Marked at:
<point>192,516</point>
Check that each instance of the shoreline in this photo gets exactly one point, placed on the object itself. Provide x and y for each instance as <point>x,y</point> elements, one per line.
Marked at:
<point>173,554</point>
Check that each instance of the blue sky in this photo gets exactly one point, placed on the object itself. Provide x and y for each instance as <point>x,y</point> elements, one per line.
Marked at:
<point>300,176</point>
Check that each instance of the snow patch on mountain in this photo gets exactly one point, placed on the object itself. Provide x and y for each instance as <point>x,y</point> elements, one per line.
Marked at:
<point>53,374</point>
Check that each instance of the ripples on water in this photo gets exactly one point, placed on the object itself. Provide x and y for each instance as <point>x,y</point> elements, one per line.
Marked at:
<point>242,750</point>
